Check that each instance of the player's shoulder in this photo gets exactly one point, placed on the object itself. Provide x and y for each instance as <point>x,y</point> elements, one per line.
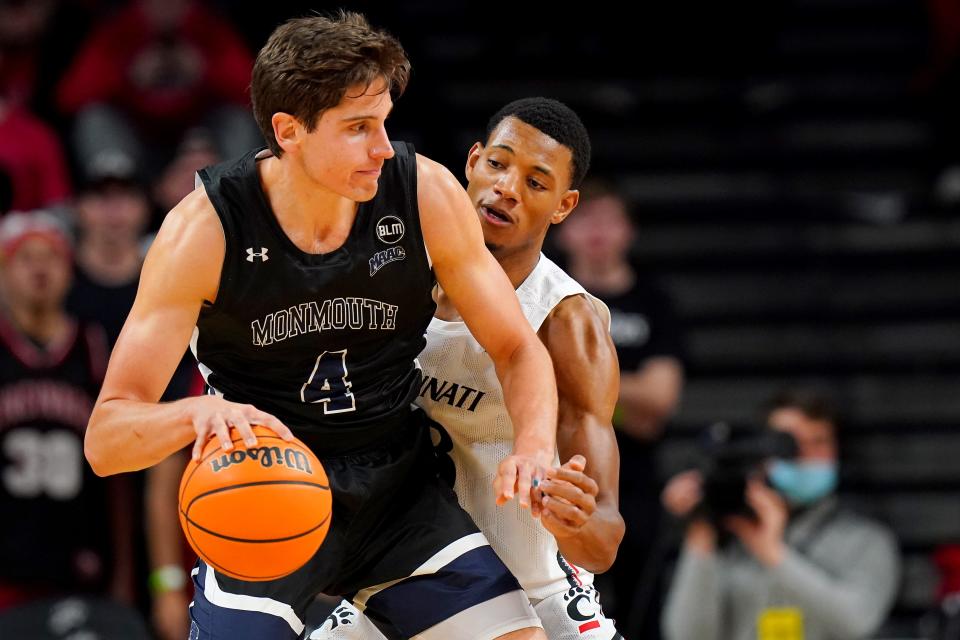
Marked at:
<point>577,313</point>
<point>431,173</point>
<point>193,223</point>
<point>189,248</point>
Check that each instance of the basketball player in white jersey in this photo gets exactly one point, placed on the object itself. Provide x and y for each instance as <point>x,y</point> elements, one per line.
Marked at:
<point>522,180</point>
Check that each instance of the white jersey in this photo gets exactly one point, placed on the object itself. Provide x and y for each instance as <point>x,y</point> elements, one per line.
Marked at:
<point>461,392</point>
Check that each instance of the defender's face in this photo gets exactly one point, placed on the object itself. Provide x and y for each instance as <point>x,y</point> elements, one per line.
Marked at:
<point>346,150</point>
<point>520,184</point>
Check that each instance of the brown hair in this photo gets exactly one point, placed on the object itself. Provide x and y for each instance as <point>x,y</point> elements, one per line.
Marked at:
<point>309,63</point>
<point>813,403</point>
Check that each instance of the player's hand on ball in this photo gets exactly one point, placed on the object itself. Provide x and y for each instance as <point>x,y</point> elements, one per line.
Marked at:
<point>569,498</point>
<point>212,417</point>
<point>516,476</point>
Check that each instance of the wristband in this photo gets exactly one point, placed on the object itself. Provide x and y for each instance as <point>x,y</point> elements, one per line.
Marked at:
<point>167,578</point>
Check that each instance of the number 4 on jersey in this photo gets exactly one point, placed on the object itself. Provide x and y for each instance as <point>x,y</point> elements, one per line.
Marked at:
<point>328,384</point>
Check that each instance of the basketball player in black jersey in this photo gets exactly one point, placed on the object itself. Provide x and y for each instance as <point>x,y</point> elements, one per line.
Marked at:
<point>302,277</point>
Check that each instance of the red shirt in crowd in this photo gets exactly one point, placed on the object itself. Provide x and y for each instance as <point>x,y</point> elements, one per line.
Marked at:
<point>160,78</point>
<point>31,155</point>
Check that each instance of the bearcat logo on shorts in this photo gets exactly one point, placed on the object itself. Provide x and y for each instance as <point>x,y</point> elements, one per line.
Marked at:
<point>266,456</point>
<point>390,229</point>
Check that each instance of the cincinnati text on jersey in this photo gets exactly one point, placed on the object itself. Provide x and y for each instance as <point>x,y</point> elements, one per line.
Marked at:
<point>453,394</point>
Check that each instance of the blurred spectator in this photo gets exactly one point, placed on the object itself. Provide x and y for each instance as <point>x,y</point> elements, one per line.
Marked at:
<point>65,530</point>
<point>802,568</point>
<point>31,156</point>
<point>112,212</point>
<point>22,24</point>
<point>597,240</point>
<point>38,38</point>
<point>150,73</point>
<point>195,152</point>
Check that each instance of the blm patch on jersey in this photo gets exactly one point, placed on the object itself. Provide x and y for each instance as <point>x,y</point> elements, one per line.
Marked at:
<point>382,258</point>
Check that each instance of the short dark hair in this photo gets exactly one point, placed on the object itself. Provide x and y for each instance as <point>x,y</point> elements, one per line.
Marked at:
<point>556,120</point>
<point>813,403</point>
<point>309,63</point>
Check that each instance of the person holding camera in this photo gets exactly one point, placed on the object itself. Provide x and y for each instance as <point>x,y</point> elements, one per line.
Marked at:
<point>798,566</point>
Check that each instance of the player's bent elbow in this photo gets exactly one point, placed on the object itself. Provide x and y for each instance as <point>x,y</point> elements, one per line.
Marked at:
<point>600,553</point>
<point>608,553</point>
<point>94,450</point>
<point>94,456</point>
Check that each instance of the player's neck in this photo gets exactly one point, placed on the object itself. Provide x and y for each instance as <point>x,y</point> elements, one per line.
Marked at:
<point>316,220</point>
<point>612,278</point>
<point>518,264</point>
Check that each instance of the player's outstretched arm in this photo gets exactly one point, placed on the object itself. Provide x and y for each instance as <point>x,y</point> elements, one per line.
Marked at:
<point>580,506</point>
<point>484,297</point>
<point>128,429</point>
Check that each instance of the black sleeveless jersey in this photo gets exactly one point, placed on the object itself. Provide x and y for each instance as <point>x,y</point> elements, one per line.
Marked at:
<point>56,513</point>
<point>325,342</point>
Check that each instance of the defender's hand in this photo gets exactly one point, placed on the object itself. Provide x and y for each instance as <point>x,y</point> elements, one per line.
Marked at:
<point>213,417</point>
<point>569,498</point>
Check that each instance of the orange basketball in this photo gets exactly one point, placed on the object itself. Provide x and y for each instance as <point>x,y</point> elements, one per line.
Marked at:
<point>257,513</point>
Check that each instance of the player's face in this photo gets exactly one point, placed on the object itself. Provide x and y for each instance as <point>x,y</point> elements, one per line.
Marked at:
<point>346,150</point>
<point>600,232</point>
<point>37,275</point>
<point>520,184</point>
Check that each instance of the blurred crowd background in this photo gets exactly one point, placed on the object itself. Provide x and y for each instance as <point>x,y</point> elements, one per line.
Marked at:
<point>771,215</point>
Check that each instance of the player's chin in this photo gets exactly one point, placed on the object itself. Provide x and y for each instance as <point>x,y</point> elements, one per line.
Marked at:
<point>365,192</point>
<point>495,233</point>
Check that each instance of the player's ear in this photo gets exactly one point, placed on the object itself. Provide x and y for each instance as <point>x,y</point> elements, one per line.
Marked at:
<point>473,156</point>
<point>286,129</point>
<point>567,204</point>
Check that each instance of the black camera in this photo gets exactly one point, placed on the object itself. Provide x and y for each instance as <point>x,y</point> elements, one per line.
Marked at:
<point>730,456</point>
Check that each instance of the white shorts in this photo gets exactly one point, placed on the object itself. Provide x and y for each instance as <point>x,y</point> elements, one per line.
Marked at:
<point>485,621</point>
<point>574,614</point>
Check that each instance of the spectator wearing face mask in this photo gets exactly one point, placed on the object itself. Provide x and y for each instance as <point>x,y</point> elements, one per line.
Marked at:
<point>804,567</point>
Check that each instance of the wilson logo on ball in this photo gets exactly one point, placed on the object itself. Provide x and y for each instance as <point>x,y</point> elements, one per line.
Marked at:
<point>266,456</point>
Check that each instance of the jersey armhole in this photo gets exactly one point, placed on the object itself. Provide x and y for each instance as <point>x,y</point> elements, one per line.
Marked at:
<point>208,306</point>
<point>414,202</point>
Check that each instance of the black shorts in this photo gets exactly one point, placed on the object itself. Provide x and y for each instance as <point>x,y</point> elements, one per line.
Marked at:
<point>393,520</point>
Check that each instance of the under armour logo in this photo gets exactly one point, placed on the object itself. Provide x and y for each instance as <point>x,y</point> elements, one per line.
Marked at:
<point>262,254</point>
